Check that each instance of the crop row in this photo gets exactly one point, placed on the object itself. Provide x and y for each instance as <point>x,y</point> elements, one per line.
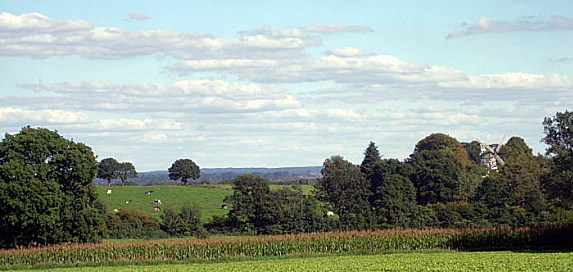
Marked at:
<point>312,243</point>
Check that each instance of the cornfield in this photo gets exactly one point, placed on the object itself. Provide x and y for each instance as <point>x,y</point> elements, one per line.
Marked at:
<point>311,243</point>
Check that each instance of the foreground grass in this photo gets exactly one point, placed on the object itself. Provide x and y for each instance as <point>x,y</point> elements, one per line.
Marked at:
<point>413,261</point>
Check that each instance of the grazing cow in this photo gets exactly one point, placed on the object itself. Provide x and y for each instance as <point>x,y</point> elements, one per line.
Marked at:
<point>224,207</point>
<point>156,208</point>
<point>108,191</point>
<point>148,192</point>
<point>157,201</point>
<point>128,201</point>
<point>329,213</point>
<point>115,210</point>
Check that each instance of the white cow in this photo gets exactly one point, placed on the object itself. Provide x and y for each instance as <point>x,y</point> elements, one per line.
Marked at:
<point>108,192</point>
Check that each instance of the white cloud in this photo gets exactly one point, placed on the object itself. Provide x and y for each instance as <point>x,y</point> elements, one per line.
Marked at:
<point>137,124</point>
<point>348,52</point>
<point>334,28</point>
<point>155,138</point>
<point>36,22</point>
<point>36,35</point>
<point>513,81</point>
<point>378,68</point>
<point>21,117</point>
<point>198,96</point>
<point>381,77</point>
<point>487,25</point>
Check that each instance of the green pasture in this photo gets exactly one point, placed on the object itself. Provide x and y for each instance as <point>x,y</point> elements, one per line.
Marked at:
<point>208,199</point>
<point>410,261</point>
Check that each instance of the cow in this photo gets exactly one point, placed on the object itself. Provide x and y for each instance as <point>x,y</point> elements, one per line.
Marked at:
<point>108,191</point>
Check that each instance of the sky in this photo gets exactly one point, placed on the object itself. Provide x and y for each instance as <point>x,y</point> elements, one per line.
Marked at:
<point>282,83</point>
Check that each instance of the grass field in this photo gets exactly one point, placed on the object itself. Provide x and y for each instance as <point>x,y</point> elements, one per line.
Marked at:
<point>409,261</point>
<point>207,198</point>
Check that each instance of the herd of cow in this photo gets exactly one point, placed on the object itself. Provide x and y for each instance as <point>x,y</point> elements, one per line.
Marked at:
<point>155,201</point>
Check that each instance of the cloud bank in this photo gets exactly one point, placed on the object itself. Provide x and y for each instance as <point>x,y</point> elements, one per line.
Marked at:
<point>486,25</point>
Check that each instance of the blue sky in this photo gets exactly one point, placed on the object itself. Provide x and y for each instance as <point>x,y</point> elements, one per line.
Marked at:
<point>281,83</point>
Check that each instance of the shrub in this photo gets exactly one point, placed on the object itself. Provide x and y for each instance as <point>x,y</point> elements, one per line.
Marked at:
<point>185,223</point>
<point>126,223</point>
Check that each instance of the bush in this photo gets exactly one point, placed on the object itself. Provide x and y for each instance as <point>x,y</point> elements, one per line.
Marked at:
<point>126,223</point>
<point>185,223</point>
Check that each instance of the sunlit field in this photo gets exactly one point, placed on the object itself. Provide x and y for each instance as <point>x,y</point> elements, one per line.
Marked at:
<point>411,261</point>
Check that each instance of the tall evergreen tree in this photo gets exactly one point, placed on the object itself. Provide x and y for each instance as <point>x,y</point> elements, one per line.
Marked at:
<point>371,158</point>
<point>393,196</point>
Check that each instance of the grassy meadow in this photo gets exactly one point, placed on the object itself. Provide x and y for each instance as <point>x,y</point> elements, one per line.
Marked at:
<point>208,198</point>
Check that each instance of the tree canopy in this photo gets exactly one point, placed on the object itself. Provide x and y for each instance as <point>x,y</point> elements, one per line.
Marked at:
<point>126,171</point>
<point>184,169</point>
<point>559,138</point>
<point>46,190</point>
<point>440,141</point>
<point>343,185</point>
<point>108,169</point>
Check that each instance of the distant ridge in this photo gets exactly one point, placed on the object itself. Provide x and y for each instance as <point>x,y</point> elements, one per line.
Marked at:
<point>218,175</point>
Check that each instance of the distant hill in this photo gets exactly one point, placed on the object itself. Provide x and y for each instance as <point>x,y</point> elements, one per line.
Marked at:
<point>301,175</point>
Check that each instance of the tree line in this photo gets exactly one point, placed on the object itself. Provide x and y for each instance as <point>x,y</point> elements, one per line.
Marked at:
<point>441,184</point>
<point>47,194</point>
<point>110,169</point>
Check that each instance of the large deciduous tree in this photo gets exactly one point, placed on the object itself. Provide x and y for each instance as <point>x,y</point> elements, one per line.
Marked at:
<point>442,170</point>
<point>559,137</point>
<point>46,191</point>
<point>184,169</point>
<point>126,170</point>
<point>108,169</point>
<point>253,208</point>
<point>343,185</point>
